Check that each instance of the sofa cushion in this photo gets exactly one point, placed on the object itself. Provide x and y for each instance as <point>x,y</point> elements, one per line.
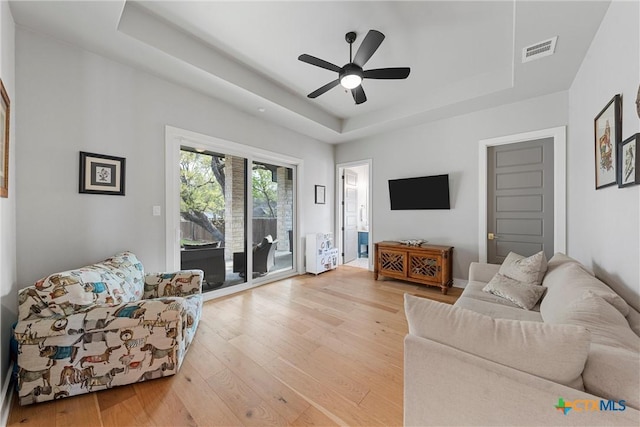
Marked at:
<point>497,311</point>
<point>474,291</point>
<point>560,259</point>
<point>612,373</point>
<point>524,295</point>
<point>528,270</point>
<point>567,283</point>
<point>634,320</point>
<point>555,352</point>
<point>474,299</point>
<point>117,279</point>
<point>607,325</point>
<point>482,272</point>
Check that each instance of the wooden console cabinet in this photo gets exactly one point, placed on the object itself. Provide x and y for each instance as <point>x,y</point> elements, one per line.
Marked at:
<point>425,264</point>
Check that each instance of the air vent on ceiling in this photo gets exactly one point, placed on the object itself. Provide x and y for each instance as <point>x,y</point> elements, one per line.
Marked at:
<point>539,50</point>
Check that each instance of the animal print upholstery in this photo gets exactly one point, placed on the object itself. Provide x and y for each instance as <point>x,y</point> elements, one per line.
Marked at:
<point>103,325</point>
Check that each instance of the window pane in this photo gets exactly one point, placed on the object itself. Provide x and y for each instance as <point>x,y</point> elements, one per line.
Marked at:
<point>213,216</point>
<point>273,219</point>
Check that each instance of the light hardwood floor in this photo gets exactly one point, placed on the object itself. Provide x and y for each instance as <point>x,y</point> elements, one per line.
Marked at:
<point>311,350</point>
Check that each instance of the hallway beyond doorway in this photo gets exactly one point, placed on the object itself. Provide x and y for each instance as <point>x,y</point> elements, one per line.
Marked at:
<point>359,263</point>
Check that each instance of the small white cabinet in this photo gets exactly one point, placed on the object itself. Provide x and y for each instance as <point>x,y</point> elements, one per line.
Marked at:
<point>320,253</point>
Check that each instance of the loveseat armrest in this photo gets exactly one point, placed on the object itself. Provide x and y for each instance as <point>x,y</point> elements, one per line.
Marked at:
<point>177,284</point>
<point>446,386</point>
<point>481,272</point>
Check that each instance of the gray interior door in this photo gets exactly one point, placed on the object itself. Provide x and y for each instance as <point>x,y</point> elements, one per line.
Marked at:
<point>520,199</point>
<point>350,215</point>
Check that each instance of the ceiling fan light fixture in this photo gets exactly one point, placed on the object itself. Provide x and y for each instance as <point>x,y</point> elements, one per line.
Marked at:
<point>350,76</point>
<point>350,81</point>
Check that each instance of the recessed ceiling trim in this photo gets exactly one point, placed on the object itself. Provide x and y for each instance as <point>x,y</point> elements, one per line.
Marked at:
<point>144,26</point>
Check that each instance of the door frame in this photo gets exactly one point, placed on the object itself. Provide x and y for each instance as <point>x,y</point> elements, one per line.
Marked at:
<point>338,208</point>
<point>559,135</point>
<point>174,139</point>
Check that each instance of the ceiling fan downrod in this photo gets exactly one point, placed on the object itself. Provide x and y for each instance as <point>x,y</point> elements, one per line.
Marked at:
<point>350,37</point>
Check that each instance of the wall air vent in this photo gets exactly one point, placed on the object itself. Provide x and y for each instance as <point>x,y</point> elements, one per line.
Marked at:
<point>539,50</point>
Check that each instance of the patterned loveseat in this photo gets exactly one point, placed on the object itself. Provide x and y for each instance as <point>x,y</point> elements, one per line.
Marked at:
<point>103,325</point>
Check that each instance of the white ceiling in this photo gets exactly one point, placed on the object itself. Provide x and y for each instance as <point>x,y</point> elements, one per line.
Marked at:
<point>464,56</point>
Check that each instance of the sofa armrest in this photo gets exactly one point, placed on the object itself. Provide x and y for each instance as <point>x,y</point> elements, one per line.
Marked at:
<point>481,272</point>
<point>177,284</point>
<point>446,386</point>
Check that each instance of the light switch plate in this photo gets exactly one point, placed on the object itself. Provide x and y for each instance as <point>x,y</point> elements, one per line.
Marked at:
<point>156,211</point>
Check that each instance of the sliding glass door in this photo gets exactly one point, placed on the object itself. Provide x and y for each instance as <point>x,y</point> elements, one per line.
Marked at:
<point>213,216</point>
<point>235,211</point>
<point>272,218</point>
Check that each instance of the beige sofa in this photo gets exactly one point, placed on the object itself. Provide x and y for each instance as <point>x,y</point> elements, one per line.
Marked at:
<point>485,361</point>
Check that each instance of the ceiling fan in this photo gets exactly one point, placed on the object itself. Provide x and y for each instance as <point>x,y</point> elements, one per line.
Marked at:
<point>350,75</point>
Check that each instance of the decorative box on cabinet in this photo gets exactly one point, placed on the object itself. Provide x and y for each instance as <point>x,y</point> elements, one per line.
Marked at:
<point>321,255</point>
<point>425,264</point>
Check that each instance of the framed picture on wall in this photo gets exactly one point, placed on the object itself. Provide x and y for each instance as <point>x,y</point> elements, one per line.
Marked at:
<point>101,174</point>
<point>628,161</point>
<point>607,132</point>
<point>320,194</point>
<point>5,105</point>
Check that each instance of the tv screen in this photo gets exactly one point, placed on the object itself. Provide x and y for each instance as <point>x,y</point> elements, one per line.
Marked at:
<point>426,192</point>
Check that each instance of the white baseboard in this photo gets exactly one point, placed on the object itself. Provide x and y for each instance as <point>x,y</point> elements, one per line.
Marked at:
<point>7,396</point>
<point>460,283</point>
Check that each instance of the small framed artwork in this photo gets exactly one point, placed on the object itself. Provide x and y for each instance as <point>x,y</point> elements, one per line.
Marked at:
<point>628,161</point>
<point>320,196</point>
<point>607,131</point>
<point>5,105</point>
<point>100,174</point>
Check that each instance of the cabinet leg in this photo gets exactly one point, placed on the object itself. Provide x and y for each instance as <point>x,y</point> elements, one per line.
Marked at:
<point>445,290</point>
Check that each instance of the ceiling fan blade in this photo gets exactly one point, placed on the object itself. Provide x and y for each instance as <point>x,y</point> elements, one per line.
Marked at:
<point>318,62</point>
<point>387,73</point>
<point>368,47</point>
<point>358,95</point>
<point>316,93</point>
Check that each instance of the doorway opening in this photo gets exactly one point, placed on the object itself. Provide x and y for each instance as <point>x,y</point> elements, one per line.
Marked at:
<point>353,210</point>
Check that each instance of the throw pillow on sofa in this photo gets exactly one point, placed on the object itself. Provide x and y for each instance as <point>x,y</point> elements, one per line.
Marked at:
<point>528,270</point>
<point>555,352</point>
<point>518,279</point>
<point>524,295</point>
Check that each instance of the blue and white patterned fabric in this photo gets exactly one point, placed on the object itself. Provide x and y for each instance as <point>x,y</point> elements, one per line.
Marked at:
<point>103,325</point>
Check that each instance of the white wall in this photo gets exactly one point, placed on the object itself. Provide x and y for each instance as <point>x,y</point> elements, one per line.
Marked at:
<point>446,146</point>
<point>603,225</point>
<point>72,100</point>
<point>8,278</point>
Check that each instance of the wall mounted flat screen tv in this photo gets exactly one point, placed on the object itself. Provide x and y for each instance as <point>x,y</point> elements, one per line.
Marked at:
<point>426,192</point>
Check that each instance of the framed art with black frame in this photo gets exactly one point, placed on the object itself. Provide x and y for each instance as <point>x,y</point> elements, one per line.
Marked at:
<point>628,161</point>
<point>101,174</point>
<point>607,132</point>
<point>320,194</point>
